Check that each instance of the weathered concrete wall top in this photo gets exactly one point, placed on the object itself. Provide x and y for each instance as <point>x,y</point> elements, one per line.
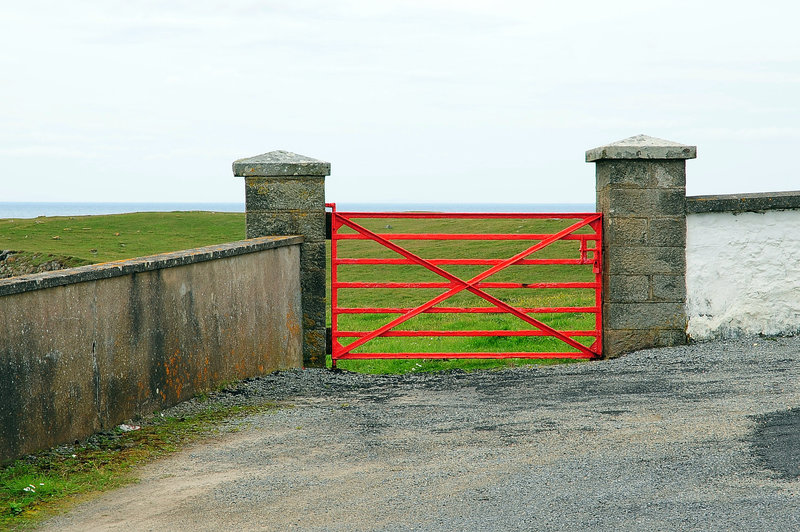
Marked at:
<point>752,202</point>
<point>106,270</point>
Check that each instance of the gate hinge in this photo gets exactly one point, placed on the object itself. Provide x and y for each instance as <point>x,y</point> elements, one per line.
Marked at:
<point>328,341</point>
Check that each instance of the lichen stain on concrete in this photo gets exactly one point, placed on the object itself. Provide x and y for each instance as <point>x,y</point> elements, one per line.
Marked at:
<point>292,325</point>
<point>144,392</point>
<point>176,372</point>
<point>200,379</point>
<point>240,366</point>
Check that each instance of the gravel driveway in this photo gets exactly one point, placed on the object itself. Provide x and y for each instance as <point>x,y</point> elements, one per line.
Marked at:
<point>703,437</point>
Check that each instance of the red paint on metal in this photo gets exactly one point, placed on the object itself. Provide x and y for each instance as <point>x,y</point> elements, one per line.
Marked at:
<point>459,310</point>
<point>589,253</point>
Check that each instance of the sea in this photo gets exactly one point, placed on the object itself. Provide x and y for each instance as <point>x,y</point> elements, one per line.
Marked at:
<point>36,209</point>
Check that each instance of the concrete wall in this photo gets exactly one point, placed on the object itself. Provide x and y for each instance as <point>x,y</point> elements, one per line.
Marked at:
<point>743,265</point>
<point>85,348</point>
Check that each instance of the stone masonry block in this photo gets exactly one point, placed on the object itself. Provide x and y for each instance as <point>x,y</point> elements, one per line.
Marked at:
<point>669,174</point>
<point>313,254</point>
<point>644,260</point>
<point>601,200</point>
<point>314,309</point>
<point>627,288</point>
<point>664,315</point>
<point>641,173</point>
<point>310,225</point>
<point>670,337</point>
<point>625,231</point>
<point>669,288</point>
<point>283,194</point>
<point>647,202</point>
<point>667,232</point>
<point>619,342</point>
<point>314,347</point>
<point>312,281</point>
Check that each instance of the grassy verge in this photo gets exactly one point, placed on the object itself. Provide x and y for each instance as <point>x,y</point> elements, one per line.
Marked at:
<point>37,486</point>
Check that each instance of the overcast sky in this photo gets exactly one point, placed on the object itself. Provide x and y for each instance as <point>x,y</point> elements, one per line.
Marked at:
<point>434,100</point>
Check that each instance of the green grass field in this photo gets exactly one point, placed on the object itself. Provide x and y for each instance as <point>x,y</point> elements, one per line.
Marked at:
<point>79,240</point>
<point>93,239</point>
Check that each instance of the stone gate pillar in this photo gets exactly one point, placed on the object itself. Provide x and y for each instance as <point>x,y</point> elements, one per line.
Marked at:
<point>285,195</point>
<point>641,191</point>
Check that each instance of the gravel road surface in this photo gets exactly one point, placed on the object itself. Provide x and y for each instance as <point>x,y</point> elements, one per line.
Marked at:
<point>702,437</point>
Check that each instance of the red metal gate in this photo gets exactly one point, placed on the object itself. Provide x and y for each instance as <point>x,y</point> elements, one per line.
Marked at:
<point>577,238</point>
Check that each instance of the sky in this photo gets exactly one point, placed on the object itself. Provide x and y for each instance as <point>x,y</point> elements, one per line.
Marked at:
<point>410,101</point>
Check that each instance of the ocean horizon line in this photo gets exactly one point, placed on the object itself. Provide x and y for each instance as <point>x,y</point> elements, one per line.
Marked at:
<point>44,208</point>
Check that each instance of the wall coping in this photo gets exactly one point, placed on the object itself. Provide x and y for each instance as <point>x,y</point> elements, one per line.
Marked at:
<point>106,270</point>
<point>751,202</point>
<point>280,163</point>
<point>641,147</point>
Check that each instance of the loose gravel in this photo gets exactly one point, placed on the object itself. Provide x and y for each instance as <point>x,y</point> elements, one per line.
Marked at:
<point>701,437</point>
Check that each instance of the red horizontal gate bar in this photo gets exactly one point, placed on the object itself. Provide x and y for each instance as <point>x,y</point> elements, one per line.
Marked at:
<point>358,334</point>
<point>477,285</point>
<point>589,253</point>
<point>460,236</point>
<point>465,310</point>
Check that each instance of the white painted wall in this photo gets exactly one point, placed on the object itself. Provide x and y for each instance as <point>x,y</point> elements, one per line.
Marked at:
<point>743,273</point>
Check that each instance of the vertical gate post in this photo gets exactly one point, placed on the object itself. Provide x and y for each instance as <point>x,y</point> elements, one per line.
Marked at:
<point>641,191</point>
<point>285,195</point>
